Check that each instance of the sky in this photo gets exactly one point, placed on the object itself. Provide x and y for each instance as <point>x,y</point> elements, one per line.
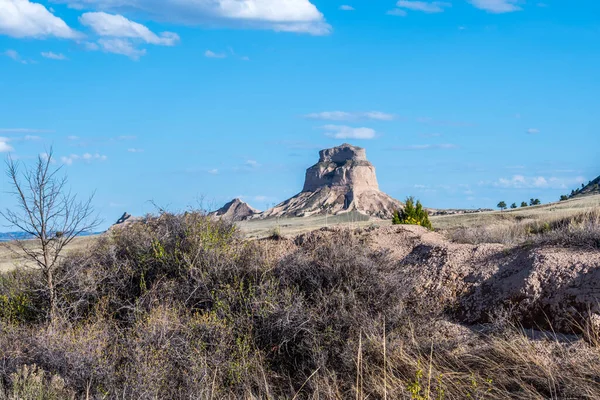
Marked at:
<point>191,103</point>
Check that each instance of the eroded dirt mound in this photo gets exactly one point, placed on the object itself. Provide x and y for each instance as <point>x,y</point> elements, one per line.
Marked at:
<point>539,287</point>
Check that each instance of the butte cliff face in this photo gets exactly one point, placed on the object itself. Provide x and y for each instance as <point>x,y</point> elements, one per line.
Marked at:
<point>343,180</point>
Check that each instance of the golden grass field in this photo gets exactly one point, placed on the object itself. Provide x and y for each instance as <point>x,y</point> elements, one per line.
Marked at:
<point>294,226</point>
<point>11,258</point>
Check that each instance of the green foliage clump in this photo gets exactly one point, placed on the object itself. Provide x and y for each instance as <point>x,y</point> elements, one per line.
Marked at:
<point>412,214</point>
<point>15,308</point>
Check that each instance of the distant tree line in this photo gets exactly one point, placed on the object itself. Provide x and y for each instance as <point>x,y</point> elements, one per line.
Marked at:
<point>533,202</point>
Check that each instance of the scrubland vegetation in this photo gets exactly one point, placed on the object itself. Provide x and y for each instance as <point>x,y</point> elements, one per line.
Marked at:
<point>181,307</point>
<point>580,230</point>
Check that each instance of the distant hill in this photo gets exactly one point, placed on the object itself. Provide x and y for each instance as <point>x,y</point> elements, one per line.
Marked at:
<point>591,188</point>
<point>8,236</point>
<point>236,210</point>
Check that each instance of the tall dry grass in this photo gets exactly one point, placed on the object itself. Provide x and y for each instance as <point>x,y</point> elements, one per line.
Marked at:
<point>180,307</point>
<point>581,230</point>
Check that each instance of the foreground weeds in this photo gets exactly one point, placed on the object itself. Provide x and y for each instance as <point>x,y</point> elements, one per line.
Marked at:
<point>180,307</point>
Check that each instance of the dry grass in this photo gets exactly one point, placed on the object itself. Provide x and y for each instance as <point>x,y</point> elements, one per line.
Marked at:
<point>580,230</point>
<point>182,307</point>
<point>11,257</point>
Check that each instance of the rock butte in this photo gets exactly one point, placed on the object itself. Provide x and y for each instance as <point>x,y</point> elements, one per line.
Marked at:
<point>343,180</point>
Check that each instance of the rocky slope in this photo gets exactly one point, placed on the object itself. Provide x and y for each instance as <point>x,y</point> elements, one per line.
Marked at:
<point>593,187</point>
<point>235,210</point>
<point>343,180</point>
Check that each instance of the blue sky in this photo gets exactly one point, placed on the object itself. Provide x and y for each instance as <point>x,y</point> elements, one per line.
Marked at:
<point>461,103</point>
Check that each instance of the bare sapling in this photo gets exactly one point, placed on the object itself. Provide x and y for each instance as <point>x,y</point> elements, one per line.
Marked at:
<point>49,214</point>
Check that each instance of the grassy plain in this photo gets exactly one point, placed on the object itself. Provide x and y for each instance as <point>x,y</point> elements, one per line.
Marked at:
<point>293,226</point>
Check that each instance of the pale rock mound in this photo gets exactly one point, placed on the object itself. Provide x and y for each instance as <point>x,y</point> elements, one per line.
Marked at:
<point>343,180</point>
<point>235,210</point>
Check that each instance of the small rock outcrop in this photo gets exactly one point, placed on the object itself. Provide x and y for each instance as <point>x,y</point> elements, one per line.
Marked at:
<point>125,220</point>
<point>236,210</point>
<point>343,180</point>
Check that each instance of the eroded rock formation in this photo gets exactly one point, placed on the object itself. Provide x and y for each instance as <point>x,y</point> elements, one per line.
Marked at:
<point>235,210</point>
<point>343,180</point>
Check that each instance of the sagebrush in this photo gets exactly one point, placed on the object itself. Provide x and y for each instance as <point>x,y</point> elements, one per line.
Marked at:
<point>181,307</point>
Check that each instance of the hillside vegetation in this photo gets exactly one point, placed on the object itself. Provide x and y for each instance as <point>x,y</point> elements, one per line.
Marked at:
<point>181,306</point>
<point>593,187</point>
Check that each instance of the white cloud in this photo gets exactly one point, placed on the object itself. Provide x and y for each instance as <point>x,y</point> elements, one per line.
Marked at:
<point>538,182</point>
<point>212,54</point>
<point>398,12</point>
<point>252,163</point>
<point>72,137</point>
<point>280,15</point>
<point>213,171</point>
<point>4,146</point>
<point>350,116</point>
<point>135,150</point>
<point>497,6</point>
<point>443,146</point>
<point>346,7</point>
<point>121,46</point>
<point>262,198</point>
<point>435,122</point>
<point>348,132</point>
<point>533,131</point>
<point>24,130</point>
<point>31,138</point>
<point>22,18</point>
<point>423,6</point>
<point>53,56</point>
<point>87,157</point>
<point>14,55</point>
<point>90,46</point>
<point>118,26</point>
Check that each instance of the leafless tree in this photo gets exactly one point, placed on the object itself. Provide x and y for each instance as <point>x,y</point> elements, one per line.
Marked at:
<point>47,212</point>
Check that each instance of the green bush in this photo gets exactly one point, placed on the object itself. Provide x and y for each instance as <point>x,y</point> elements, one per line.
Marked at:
<point>412,214</point>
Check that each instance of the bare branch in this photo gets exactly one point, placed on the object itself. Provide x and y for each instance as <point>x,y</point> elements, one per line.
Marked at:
<point>49,213</point>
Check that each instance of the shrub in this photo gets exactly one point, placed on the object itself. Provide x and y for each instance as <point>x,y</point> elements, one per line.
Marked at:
<point>412,215</point>
<point>180,307</point>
